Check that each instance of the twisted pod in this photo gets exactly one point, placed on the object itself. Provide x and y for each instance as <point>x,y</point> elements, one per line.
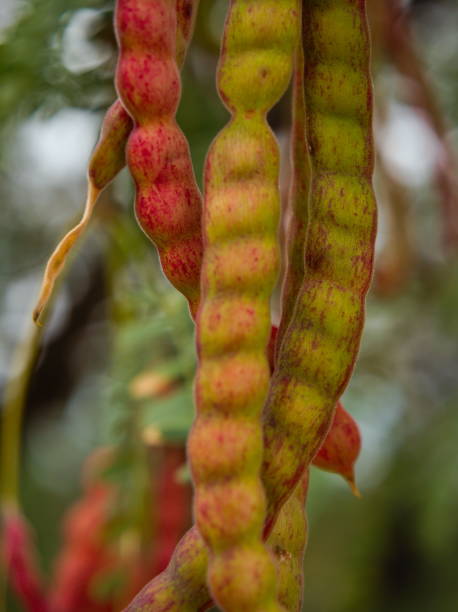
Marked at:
<point>108,159</point>
<point>239,270</point>
<point>105,163</point>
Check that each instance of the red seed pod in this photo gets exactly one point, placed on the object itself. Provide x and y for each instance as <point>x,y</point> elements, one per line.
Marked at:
<point>107,159</point>
<point>19,557</point>
<point>167,204</point>
<point>84,553</point>
<point>173,507</point>
<point>341,447</point>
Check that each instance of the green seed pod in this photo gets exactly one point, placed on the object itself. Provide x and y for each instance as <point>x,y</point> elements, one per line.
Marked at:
<point>181,587</point>
<point>239,270</point>
<point>298,197</point>
<point>320,346</point>
<point>288,540</point>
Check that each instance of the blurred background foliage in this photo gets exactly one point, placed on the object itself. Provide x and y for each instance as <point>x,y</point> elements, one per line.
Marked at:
<point>115,362</point>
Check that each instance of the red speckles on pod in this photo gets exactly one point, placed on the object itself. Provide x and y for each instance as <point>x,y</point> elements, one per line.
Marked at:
<point>239,271</point>
<point>167,205</point>
<point>109,155</point>
<point>319,348</point>
<point>320,345</point>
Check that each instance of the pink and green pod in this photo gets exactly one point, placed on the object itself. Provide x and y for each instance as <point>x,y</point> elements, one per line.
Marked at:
<point>167,202</point>
<point>108,159</point>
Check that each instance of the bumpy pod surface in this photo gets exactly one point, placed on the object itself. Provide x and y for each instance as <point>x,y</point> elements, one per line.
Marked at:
<point>239,270</point>
<point>182,586</point>
<point>167,201</point>
<point>341,447</point>
<point>108,159</point>
<point>320,346</point>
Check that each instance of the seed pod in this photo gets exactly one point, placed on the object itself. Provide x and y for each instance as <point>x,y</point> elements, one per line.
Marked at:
<point>182,586</point>
<point>108,159</point>
<point>239,270</point>
<point>84,553</point>
<point>342,444</point>
<point>173,507</point>
<point>298,200</point>
<point>319,349</point>
<point>167,200</point>
<point>341,447</point>
<point>288,540</point>
<point>19,560</point>
<point>399,42</point>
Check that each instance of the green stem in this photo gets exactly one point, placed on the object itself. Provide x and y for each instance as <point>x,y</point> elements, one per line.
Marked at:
<point>15,397</point>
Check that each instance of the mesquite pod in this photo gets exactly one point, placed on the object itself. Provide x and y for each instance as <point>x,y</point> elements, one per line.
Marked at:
<point>341,447</point>
<point>108,159</point>
<point>186,17</point>
<point>88,556</point>
<point>288,540</point>
<point>182,586</point>
<point>167,203</point>
<point>320,346</point>
<point>298,198</point>
<point>85,553</point>
<point>342,444</point>
<point>173,504</point>
<point>18,552</point>
<point>239,270</point>
<point>105,163</point>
